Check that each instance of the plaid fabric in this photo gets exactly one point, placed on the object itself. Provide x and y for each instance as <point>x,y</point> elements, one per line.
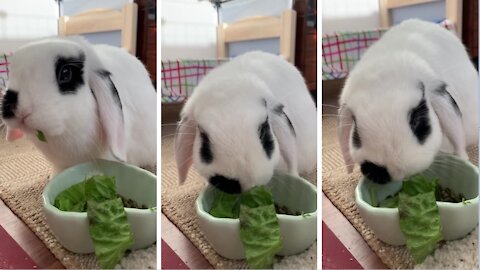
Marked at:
<point>4,71</point>
<point>3,78</point>
<point>180,77</point>
<point>341,51</point>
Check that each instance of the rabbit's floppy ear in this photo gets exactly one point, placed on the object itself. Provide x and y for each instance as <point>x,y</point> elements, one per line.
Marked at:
<point>285,133</point>
<point>450,118</point>
<point>110,111</point>
<point>184,138</point>
<point>344,127</point>
<point>14,134</point>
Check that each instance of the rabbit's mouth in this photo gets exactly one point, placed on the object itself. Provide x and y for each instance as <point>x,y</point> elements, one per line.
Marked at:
<point>23,119</point>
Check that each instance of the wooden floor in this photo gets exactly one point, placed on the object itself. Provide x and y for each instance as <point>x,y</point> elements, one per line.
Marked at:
<point>32,245</point>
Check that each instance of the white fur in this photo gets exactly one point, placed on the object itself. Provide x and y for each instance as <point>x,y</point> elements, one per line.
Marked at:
<point>71,123</point>
<point>227,105</point>
<point>383,87</point>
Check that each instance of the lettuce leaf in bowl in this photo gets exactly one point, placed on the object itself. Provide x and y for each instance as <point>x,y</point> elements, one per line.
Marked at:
<point>225,205</point>
<point>100,188</point>
<point>420,223</point>
<point>259,227</point>
<point>419,214</point>
<point>109,230</point>
<point>72,199</point>
<point>419,184</point>
<point>260,235</point>
<point>108,224</point>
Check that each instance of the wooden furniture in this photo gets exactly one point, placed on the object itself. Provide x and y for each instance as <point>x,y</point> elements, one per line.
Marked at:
<point>453,10</point>
<point>470,28</point>
<point>306,42</point>
<point>260,27</point>
<point>103,20</point>
<point>147,36</point>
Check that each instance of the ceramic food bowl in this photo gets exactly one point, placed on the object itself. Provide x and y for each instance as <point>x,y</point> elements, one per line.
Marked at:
<point>457,219</point>
<point>71,228</point>
<point>298,232</point>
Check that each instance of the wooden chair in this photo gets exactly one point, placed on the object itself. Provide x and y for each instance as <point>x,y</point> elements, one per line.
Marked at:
<point>453,10</point>
<point>104,20</point>
<point>260,27</point>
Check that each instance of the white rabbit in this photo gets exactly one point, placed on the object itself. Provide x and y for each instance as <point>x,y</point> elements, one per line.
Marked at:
<point>412,94</point>
<point>89,101</point>
<point>246,118</point>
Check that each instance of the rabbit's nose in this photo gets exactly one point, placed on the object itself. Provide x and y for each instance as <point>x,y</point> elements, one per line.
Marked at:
<point>9,104</point>
<point>225,184</point>
<point>376,173</point>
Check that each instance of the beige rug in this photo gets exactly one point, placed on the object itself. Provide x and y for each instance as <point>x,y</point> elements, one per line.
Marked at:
<point>178,204</point>
<point>339,187</point>
<point>23,175</point>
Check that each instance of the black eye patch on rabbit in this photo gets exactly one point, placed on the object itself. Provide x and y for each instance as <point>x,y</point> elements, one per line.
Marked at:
<point>206,154</point>
<point>419,121</point>
<point>69,72</point>
<point>356,141</point>
<point>265,136</point>
<point>9,104</point>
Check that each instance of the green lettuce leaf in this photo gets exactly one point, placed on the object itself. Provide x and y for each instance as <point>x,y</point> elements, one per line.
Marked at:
<point>419,217</point>
<point>225,205</point>
<point>108,223</point>
<point>259,228</point>
<point>41,136</point>
<point>109,230</point>
<point>372,192</point>
<point>72,199</point>
<point>257,196</point>
<point>100,188</point>
<point>260,235</point>
<point>390,202</point>
<point>419,184</point>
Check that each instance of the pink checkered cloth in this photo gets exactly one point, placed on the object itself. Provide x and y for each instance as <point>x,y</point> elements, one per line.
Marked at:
<point>341,51</point>
<point>4,71</point>
<point>180,77</point>
<point>3,78</point>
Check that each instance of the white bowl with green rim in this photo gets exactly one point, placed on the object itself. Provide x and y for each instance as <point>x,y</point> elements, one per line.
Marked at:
<point>457,219</point>
<point>297,232</point>
<point>71,228</point>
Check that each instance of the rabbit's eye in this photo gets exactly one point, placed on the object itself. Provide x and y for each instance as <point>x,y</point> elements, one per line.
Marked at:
<point>65,75</point>
<point>69,73</point>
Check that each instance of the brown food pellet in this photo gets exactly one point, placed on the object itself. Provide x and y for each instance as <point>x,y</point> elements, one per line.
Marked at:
<point>129,203</point>
<point>448,195</point>
<point>286,211</point>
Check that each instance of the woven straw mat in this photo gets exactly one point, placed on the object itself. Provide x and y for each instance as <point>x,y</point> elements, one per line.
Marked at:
<point>339,187</point>
<point>178,204</point>
<point>24,172</point>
